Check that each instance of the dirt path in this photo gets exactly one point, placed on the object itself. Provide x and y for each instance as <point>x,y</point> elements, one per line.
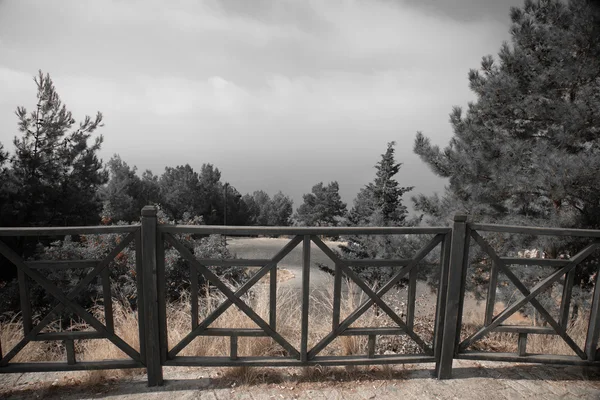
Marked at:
<point>321,283</point>
<point>269,247</point>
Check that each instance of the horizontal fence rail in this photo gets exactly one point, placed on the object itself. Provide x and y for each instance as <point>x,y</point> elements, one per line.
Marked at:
<point>151,241</point>
<point>293,230</point>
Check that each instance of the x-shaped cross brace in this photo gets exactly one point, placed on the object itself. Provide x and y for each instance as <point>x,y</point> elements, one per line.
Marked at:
<point>529,296</point>
<point>374,297</point>
<point>232,298</point>
<point>66,301</point>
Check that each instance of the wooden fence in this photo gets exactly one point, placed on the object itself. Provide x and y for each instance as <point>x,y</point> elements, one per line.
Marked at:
<point>452,244</point>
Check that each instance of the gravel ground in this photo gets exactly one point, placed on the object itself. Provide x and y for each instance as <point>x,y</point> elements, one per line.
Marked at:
<point>472,380</point>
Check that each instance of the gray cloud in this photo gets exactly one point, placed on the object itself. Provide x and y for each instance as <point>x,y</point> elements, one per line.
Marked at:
<point>278,95</point>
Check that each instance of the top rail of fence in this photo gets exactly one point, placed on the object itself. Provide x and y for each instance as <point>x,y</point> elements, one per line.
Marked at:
<point>67,230</point>
<point>291,230</point>
<point>530,230</point>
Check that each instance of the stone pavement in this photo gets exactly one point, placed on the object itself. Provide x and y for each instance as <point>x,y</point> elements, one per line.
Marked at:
<point>472,380</point>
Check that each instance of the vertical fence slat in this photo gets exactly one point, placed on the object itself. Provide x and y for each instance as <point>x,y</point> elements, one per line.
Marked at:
<point>411,298</point>
<point>25,302</point>
<point>139,273</point>
<point>453,299</point>
<point>441,299</point>
<point>107,299</point>
<point>273,297</point>
<point>491,294</point>
<point>149,241</point>
<point>70,348</point>
<point>194,295</point>
<point>161,292</point>
<point>522,344</point>
<point>463,279</point>
<point>565,304</point>
<point>591,341</point>
<point>337,297</point>
<point>233,347</point>
<point>371,346</point>
<point>305,297</point>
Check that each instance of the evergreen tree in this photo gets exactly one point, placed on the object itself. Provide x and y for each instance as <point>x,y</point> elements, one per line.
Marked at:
<point>237,210</point>
<point>322,207</point>
<point>7,188</point>
<point>263,209</point>
<point>122,196</point>
<point>185,193</point>
<point>379,204</point>
<point>126,193</point>
<point>381,199</point>
<point>528,150</point>
<point>211,203</point>
<point>150,188</point>
<point>53,175</point>
<point>180,191</point>
<point>266,211</point>
<point>55,171</point>
<point>282,208</point>
<point>253,209</point>
<point>3,158</point>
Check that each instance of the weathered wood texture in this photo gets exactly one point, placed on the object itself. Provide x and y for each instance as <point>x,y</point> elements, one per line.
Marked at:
<point>451,328</point>
<point>289,230</point>
<point>149,272</point>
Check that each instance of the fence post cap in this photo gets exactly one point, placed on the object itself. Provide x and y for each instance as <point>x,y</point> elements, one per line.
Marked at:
<point>149,211</point>
<point>460,217</point>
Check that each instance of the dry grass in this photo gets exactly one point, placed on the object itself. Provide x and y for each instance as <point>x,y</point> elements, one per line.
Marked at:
<point>11,333</point>
<point>179,324</point>
<point>126,327</point>
<point>536,344</point>
<point>552,344</point>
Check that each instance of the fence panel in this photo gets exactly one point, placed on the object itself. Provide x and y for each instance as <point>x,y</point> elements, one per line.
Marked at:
<point>493,322</point>
<point>37,271</point>
<point>303,354</point>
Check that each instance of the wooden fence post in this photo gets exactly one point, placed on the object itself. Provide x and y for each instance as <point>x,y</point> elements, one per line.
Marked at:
<point>153,364</point>
<point>451,328</point>
<point>591,342</point>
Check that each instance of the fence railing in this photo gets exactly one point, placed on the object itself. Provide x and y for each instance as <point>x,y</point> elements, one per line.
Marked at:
<point>452,248</point>
<point>563,268</point>
<point>29,270</point>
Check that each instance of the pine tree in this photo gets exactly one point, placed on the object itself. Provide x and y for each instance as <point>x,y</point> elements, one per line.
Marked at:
<point>528,150</point>
<point>259,207</point>
<point>266,211</point>
<point>181,192</point>
<point>379,204</point>
<point>282,207</point>
<point>322,207</point>
<point>120,194</point>
<point>381,200</point>
<point>211,202</point>
<point>53,175</point>
<point>56,172</point>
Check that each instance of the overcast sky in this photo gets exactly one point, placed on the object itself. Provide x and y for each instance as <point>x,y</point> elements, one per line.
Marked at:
<point>279,95</point>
